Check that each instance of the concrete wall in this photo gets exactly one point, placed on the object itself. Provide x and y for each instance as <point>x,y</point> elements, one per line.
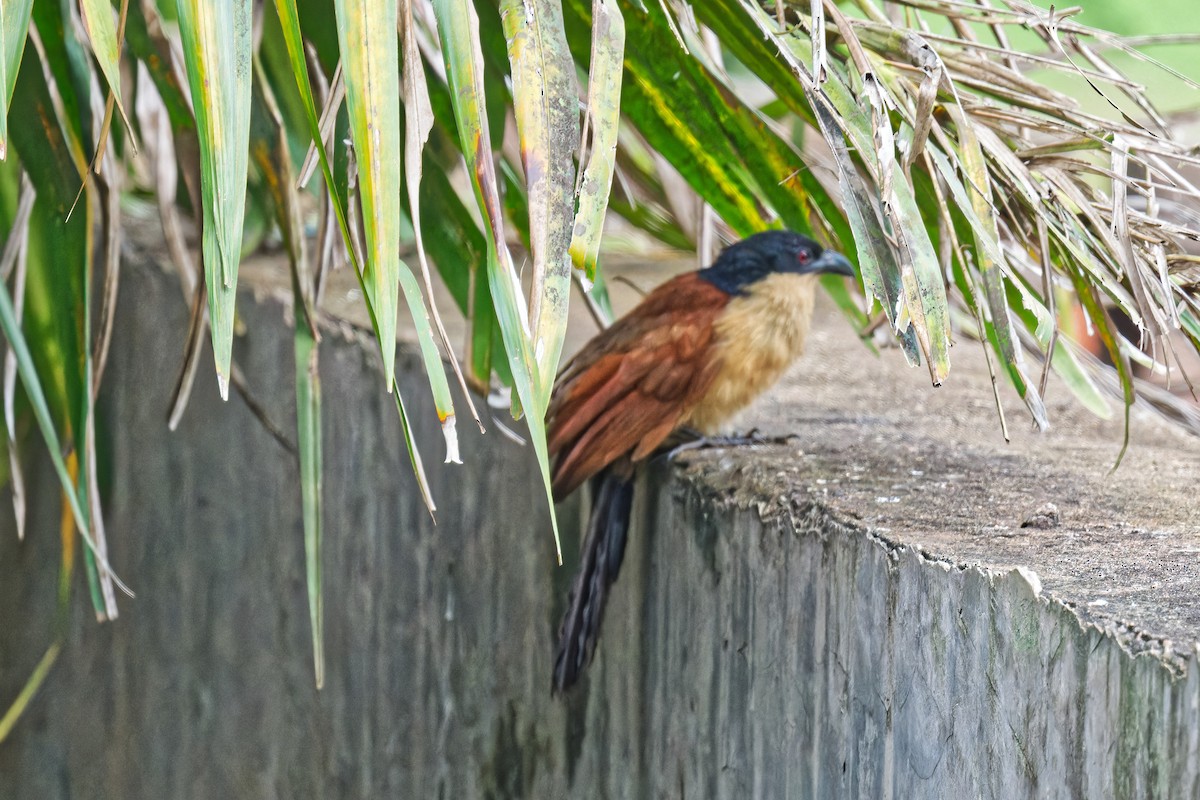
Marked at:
<point>745,654</point>
<point>801,657</point>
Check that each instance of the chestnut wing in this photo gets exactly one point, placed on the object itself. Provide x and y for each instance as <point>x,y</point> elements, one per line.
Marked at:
<point>627,389</point>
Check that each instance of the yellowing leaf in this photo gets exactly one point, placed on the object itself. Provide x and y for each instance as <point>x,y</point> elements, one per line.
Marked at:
<point>216,48</point>
<point>370,63</point>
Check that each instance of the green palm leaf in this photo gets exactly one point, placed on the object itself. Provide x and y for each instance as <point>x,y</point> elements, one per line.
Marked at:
<point>217,50</point>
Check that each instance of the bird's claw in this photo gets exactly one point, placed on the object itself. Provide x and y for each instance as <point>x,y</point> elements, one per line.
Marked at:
<point>752,437</point>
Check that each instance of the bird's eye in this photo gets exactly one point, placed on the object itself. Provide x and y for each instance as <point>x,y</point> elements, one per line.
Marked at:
<point>802,256</point>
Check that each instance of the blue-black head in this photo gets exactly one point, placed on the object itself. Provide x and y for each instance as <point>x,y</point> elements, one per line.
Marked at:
<point>746,262</point>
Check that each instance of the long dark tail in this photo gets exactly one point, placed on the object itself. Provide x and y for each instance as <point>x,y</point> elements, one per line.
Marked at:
<point>599,563</point>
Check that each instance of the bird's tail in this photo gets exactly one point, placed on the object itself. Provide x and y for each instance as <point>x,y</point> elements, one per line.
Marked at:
<point>599,562</point>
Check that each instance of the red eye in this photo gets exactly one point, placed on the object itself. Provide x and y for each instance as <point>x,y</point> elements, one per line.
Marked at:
<point>802,256</point>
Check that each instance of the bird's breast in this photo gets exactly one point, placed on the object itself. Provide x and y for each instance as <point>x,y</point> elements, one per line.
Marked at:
<point>758,336</point>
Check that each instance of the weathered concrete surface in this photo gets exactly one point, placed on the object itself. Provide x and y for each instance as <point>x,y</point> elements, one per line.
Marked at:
<point>797,636</point>
<point>780,628</point>
<point>802,657</point>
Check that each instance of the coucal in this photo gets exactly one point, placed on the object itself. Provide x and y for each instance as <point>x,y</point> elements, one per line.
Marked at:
<point>694,352</point>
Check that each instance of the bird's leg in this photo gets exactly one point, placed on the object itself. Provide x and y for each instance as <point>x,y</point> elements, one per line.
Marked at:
<point>686,439</point>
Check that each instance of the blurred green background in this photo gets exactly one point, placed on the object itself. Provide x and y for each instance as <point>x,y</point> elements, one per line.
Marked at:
<point>1136,18</point>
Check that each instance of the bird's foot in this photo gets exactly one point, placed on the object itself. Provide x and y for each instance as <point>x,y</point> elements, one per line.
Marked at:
<point>751,437</point>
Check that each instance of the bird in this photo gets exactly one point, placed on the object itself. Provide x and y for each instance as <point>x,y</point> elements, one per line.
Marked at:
<point>693,353</point>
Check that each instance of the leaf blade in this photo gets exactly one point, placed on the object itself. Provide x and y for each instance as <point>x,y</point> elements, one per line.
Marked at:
<point>217,47</point>
<point>458,28</point>
<point>545,104</point>
<point>14,24</point>
<point>106,48</point>
<point>370,63</point>
<point>604,118</point>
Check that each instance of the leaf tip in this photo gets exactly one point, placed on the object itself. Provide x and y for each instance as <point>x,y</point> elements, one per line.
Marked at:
<point>448,430</point>
<point>223,385</point>
<point>387,348</point>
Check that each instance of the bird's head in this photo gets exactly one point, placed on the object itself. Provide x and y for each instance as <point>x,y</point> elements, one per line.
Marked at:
<point>772,252</point>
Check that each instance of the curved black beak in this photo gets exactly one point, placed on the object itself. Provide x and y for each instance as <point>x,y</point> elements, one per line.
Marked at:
<point>832,262</point>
